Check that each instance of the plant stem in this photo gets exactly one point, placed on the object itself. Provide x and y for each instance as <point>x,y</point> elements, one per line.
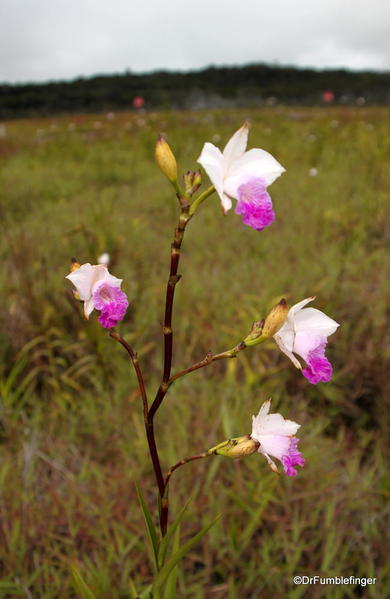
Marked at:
<point>148,424</point>
<point>203,196</point>
<point>205,454</point>
<point>208,359</point>
<point>231,353</point>
<point>137,368</point>
<point>170,294</point>
<point>164,499</point>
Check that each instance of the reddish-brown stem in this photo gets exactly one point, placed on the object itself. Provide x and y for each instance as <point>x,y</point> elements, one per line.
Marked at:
<point>208,359</point>
<point>172,469</point>
<point>148,424</point>
<point>170,294</point>
<point>164,500</point>
<point>137,368</point>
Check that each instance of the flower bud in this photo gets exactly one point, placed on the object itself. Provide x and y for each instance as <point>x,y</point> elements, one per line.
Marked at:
<point>275,319</point>
<point>166,160</point>
<point>74,265</point>
<point>192,182</point>
<point>239,447</point>
<point>188,180</point>
<point>197,181</point>
<point>255,336</point>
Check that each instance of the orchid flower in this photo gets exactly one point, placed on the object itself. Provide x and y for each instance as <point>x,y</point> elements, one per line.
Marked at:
<point>305,333</point>
<point>100,290</point>
<point>243,176</point>
<point>276,438</point>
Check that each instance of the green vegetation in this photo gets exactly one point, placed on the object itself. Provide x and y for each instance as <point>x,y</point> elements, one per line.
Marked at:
<point>213,87</point>
<point>72,445</point>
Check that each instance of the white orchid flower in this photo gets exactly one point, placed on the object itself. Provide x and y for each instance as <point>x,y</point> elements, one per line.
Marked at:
<point>100,290</point>
<point>276,438</point>
<point>243,176</point>
<point>305,332</point>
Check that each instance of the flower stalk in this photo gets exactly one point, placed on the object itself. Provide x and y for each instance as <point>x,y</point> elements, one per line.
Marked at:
<point>241,176</point>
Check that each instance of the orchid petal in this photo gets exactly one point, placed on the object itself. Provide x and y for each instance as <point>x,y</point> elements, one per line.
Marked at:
<point>285,337</point>
<point>83,279</point>
<point>275,424</point>
<point>254,163</point>
<point>315,321</point>
<point>306,342</point>
<point>275,445</point>
<point>280,341</point>
<point>296,307</point>
<point>236,146</point>
<point>88,307</point>
<point>212,161</point>
<point>103,276</point>
<point>264,409</point>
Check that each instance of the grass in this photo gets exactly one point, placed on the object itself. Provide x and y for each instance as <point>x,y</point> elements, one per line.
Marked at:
<point>71,431</point>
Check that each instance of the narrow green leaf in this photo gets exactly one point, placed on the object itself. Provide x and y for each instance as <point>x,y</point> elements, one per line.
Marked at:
<point>174,559</point>
<point>147,593</point>
<point>152,533</point>
<point>170,588</point>
<point>81,585</point>
<point>162,551</point>
<point>133,590</point>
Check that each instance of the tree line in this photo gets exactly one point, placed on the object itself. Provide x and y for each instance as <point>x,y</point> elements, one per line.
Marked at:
<point>212,87</point>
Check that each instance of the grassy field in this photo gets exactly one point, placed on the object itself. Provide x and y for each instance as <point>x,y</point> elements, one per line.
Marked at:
<point>71,432</point>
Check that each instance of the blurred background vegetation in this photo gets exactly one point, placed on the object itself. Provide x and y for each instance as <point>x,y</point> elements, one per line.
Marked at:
<point>213,87</point>
<point>71,431</point>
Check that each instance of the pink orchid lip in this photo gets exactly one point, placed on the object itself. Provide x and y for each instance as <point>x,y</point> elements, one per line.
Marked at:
<point>318,368</point>
<point>112,302</point>
<point>292,458</point>
<point>255,204</point>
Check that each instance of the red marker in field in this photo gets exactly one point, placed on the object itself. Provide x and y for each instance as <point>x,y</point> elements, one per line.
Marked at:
<point>327,96</point>
<point>138,102</point>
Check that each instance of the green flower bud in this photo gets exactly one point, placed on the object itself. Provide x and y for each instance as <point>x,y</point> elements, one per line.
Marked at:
<point>192,182</point>
<point>256,334</point>
<point>239,447</point>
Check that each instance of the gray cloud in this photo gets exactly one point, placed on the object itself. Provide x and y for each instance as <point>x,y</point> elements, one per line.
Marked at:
<point>56,39</point>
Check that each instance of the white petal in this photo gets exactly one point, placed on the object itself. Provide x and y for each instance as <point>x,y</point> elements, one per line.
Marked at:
<point>257,420</point>
<point>271,463</point>
<point>294,309</point>
<point>311,320</point>
<point>103,276</point>
<point>285,336</point>
<point>306,342</point>
<point>273,424</point>
<point>213,163</point>
<point>275,445</point>
<point>263,410</point>
<point>280,341</point>
<point>88,308</point>
<point>255,163</point>
<point>226,202</point>
<point>83,279</point>
<point>87,278</point>
<point>236,146</point>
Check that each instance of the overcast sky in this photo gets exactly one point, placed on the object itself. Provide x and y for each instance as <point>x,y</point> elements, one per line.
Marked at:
<point>63,39</point>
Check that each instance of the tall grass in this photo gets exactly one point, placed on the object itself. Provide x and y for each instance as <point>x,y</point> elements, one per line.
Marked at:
<point>71,433</point>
